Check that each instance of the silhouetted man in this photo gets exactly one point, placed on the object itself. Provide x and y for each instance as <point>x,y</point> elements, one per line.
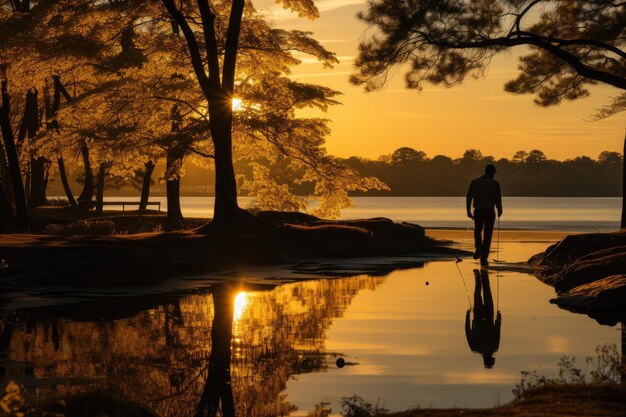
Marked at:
<point>485,193</point>
<point>483,335</point>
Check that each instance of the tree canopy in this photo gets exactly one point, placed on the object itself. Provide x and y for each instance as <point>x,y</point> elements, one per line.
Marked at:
<point>572,44</point>
<point>136,82</point>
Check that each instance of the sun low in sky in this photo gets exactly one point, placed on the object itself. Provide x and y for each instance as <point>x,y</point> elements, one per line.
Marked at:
<point>237,104</point>
<point>477,114</point>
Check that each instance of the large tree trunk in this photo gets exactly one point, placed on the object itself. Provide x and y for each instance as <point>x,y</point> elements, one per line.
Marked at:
<point>226,211</point>
<point>86,195</point>
<point>28,124</point>
<point>5,175</point>
<point>59,90</point>
<point>27,182</point>
<point>100,190</point>
<point>6,211</point>
<point>174,213</point>
<point>38,165</point>
<point>13,161</point>
<point>172,186</point>
<point>38,182</point>
<point>66,184</point>
<point>145,188</point>
<point>219,94</point>
<point>51,115</point>
<point>173,165</point>
<point>24,123</point>
<point>226,208</point>
<point>623,223</point>
<point>218,387</point>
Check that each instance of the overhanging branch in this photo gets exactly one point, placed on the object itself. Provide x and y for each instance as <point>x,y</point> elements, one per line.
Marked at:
<point>197,152</point>
<point>194,49</point>
<point>525,38</point>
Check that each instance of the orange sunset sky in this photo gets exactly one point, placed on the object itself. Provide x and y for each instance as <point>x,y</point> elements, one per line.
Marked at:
<point>477,114</point>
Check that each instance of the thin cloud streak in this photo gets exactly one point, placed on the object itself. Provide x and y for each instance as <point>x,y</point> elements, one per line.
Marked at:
<point>279,14</point>
<point>324,41</point>
<point>343,60</point>
<point>504,98</point>
<point>323,74</point>
<point>407,115</point>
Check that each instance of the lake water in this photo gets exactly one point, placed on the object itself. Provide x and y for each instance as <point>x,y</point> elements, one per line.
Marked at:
<point>547,213</point>
<point>402,336</point>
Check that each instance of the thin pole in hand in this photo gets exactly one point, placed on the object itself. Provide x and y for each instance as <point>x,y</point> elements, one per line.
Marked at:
<point>498,247</point>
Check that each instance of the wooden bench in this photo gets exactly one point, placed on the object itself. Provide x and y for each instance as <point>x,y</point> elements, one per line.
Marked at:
<point>130,203</point>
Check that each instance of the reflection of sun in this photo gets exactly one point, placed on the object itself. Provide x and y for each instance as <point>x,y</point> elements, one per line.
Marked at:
<point>237,104</point>
<point>241,302</point>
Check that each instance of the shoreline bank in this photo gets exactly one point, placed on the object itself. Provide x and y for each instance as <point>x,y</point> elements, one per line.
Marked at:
<point>579,400</point>
<point>506,235</point>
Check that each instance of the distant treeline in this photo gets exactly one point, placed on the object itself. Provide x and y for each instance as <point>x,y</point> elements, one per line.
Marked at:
<point>409,172</point>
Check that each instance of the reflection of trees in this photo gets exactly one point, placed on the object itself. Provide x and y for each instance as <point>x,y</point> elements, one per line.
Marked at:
<point>159,357</point>
<point>282,333</point>
<point>218,386</point>
<point>7,325</point>
<point>173,320</point>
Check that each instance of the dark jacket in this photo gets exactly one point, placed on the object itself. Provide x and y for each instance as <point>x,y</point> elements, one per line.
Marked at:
<point>485,193</point>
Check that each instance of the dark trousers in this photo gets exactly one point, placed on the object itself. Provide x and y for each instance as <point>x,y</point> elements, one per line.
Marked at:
<point>483,300</point>
<point>484,220</point>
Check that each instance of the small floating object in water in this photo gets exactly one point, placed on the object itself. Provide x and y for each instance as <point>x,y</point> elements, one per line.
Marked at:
<point>427,283</point>
<point>340,362</point>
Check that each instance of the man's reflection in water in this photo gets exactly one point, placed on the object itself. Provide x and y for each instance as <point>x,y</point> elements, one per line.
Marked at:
<point>483,334</point>
<point>218,387</point>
